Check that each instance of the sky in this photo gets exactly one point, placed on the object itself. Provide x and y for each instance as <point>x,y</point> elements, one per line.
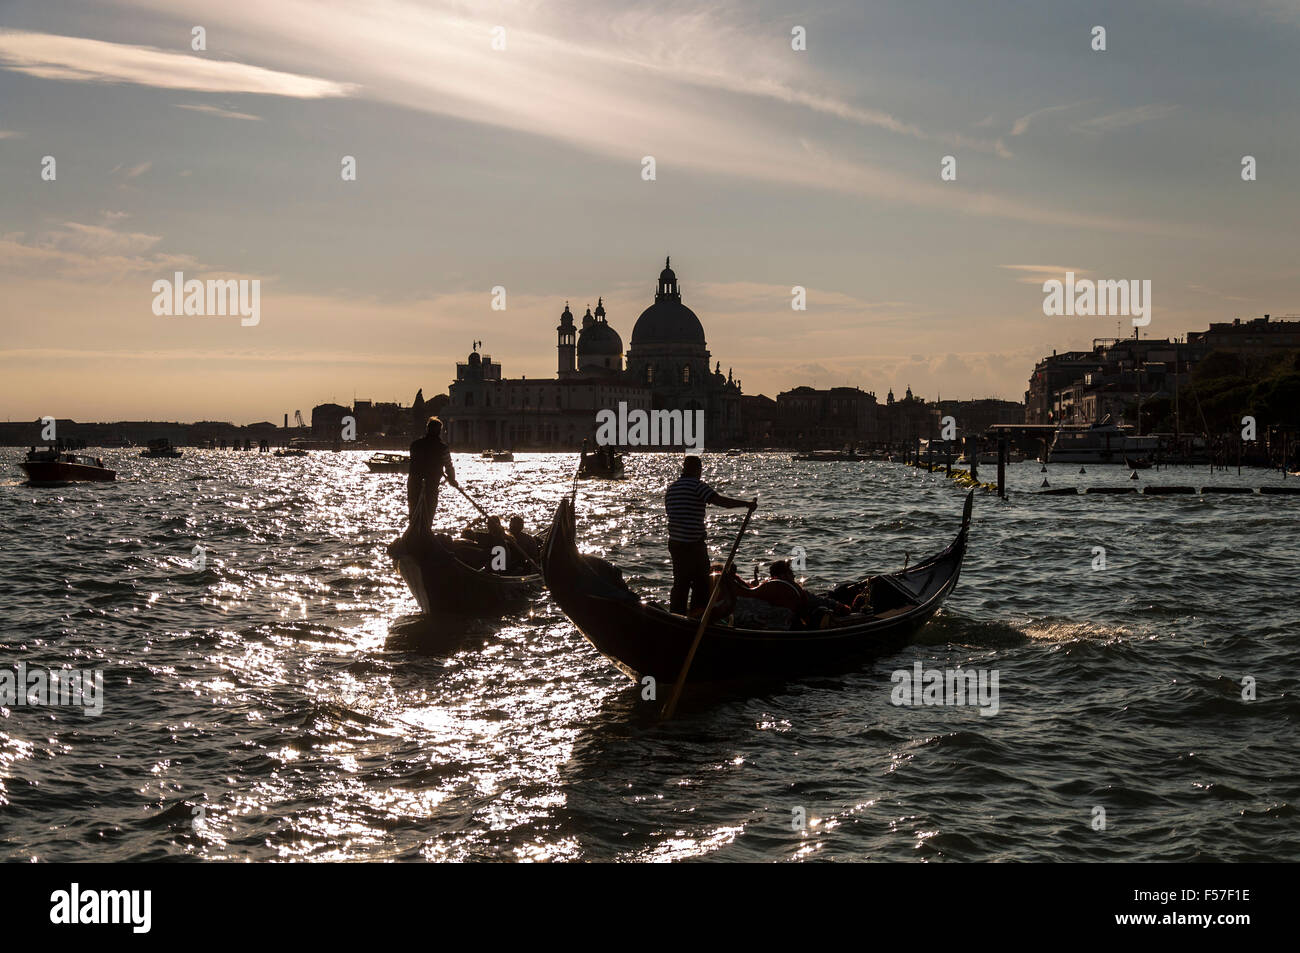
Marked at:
<point>521,167</point>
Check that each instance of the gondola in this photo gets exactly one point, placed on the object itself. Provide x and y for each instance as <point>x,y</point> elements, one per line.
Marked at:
<point>647,640</point>
<point>1138,463</point>
<point>593,467</point>
<point>436,571</point>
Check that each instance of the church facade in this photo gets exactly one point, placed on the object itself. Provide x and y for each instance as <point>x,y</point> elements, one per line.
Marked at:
<point>666,368</point>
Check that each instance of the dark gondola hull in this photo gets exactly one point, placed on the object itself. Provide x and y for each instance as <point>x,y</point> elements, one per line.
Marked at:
<point>647,640</point>
<point>440,582</point>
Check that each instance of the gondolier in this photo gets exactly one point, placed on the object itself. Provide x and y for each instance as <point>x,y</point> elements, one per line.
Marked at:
<point>430,458</point>
<point>685,501</point>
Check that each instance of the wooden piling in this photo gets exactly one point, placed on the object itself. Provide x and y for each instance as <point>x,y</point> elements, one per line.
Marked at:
<point>1002,467</point>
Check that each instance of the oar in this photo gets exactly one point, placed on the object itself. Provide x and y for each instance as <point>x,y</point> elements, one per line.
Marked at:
<point>704,621</point>
<point>473,501</point>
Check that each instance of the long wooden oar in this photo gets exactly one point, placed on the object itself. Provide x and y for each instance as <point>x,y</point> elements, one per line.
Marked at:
<point>474,502</point>
<point>671,707</point>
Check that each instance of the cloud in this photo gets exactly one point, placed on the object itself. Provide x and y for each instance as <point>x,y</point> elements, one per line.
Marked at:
<point>661,81</point>
<point>1022,124</point>
<point>216,111</point>
<point>80,59</point>
<point>75,250</point>
<point>1037,274</point>
<point>11,134</point>
<point>133,171</point>
<point>1125,118</point>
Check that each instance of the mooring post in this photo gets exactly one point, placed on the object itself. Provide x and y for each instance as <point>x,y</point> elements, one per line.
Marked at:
<point>1002,467</point>
<point>947,446</point>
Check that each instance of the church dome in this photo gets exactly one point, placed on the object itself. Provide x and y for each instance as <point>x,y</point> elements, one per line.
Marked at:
<point>667,321</point>
<point>597,337</point>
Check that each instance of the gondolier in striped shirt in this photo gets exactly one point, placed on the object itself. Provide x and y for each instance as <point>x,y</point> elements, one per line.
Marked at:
<point>685,501</point>
<point>430,458</point>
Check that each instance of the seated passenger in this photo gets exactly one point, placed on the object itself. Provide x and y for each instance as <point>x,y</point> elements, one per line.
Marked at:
<point>783,590</point>
<point>528,544</point>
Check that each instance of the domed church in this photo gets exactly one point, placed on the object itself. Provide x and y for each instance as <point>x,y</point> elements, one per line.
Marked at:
<point>667,369</point>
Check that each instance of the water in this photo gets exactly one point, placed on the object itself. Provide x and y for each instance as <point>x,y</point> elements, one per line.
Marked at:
<point>285,702</point>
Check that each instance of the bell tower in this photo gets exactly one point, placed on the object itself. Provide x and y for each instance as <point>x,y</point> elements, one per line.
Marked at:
<point>568,343</point>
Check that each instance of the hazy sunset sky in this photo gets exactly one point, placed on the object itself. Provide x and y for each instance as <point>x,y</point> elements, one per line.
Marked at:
<point>522,168</point>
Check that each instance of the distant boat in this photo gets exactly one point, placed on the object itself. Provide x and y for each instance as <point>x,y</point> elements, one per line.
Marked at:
<point>829,456</point>
<point>733,453</point>
<point>1138,463</point>
<point>601,466</point>
<point>505,456</point>
<point>160,449</point>
<point>51,467</point>
<point>389,463</point>
<point>291,452</point>
<point>1103,442</point>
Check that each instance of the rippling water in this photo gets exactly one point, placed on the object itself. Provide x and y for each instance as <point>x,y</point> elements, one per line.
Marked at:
<point>285,702</point>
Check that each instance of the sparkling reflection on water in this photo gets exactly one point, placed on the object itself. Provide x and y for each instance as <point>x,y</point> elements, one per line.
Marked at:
<point>285,702</point>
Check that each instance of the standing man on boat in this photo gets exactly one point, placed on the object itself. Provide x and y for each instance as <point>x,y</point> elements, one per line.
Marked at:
<point>685,502</point>
<point>430,458</point>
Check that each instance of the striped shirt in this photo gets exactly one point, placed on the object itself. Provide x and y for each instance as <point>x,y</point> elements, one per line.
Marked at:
<point>685,502</point>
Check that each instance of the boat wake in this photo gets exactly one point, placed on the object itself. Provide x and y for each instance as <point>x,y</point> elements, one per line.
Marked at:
<point>952,627</point>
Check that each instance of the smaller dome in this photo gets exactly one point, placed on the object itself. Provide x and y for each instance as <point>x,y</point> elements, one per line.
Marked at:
<point>474,358</point>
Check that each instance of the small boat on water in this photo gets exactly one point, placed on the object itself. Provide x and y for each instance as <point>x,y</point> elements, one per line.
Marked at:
<point>601,465</point>
<point>49,467</point>
<point>1104,442</point>
<point>442,574</point>
<point>1138,463</point>
<point>829,456</point>
<point>290,452</point>
<point>160,449</point>
<point>389,463</point>
<point>646,639</point>
<point>504,456</point>
<point>733,453</point>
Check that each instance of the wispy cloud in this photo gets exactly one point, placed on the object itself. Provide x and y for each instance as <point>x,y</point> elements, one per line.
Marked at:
<point>10,134</point>
<point>133,171</point>
<point>79,59</point>
<point>216,111</point>
<point>1020,125</point>
<point>1124,118</point>
<point>1037,274</point>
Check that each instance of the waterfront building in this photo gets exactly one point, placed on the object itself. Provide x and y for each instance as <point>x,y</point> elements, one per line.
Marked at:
<point>667,368</point>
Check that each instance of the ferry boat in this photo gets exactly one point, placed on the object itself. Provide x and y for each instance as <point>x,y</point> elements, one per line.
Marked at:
<point>49,467</point>
<point>1104,442</point>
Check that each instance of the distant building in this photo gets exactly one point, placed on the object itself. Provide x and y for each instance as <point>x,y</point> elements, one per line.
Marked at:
<point>667,369</point>
<point>327,421</point>
<point>1254,340</point>
<point>758,415</point>
<point>831,418</point>
<point>902,422</point>
<point>975,417</point>
<point>1050,376</point>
